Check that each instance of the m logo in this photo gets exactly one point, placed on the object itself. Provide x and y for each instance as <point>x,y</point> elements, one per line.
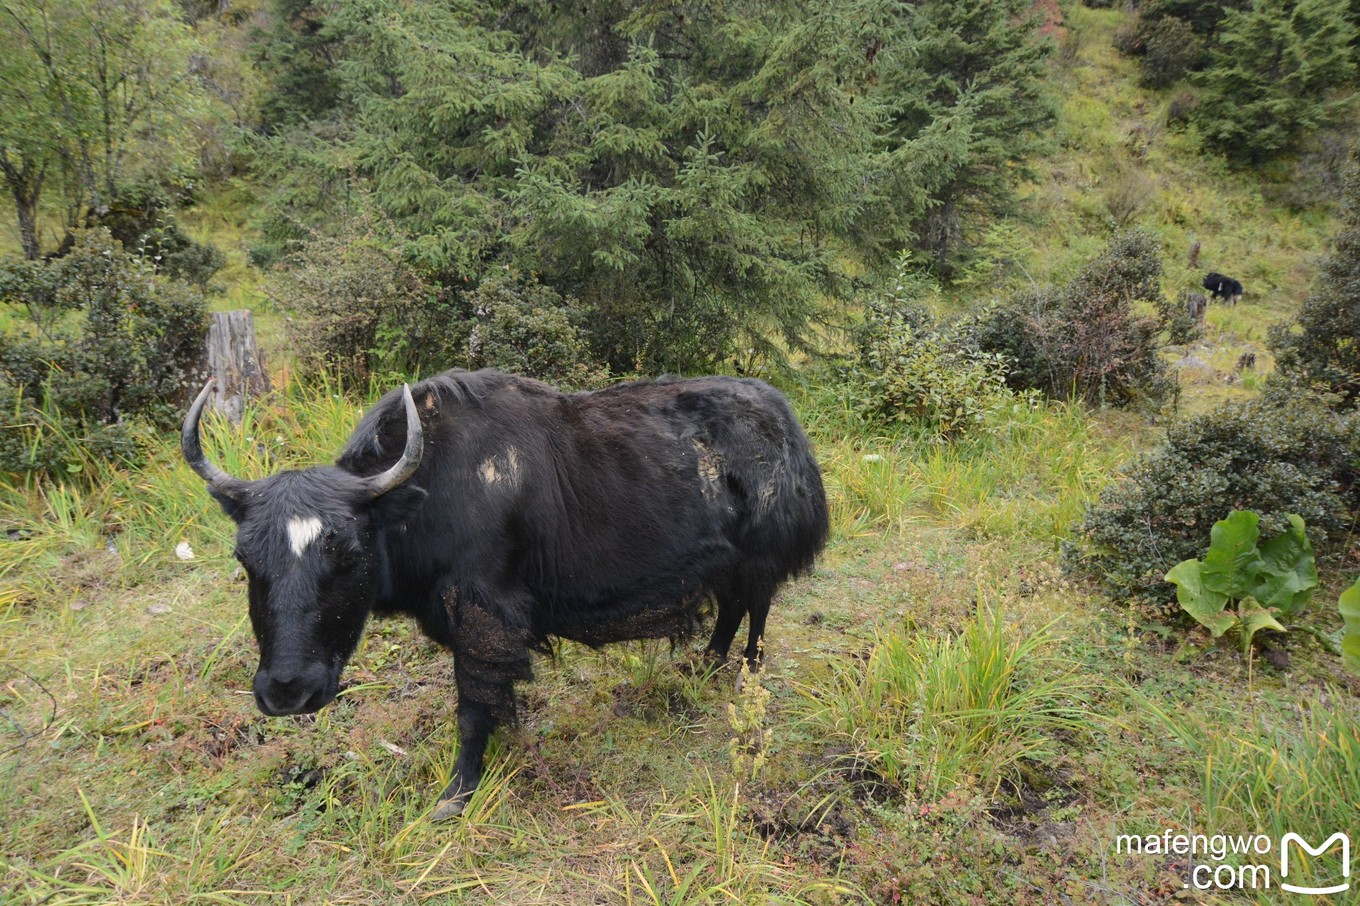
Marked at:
<point>1292,837</point>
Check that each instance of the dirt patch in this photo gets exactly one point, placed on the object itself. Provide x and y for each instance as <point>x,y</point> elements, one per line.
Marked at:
<point>1023,808</point>
<point>818,832</point>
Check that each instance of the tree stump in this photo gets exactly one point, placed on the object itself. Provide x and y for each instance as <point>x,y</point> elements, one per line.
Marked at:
<point>1196,304</point>
<point>236,362</point>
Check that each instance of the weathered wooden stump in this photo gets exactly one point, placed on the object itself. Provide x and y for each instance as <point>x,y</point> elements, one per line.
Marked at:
<point>236,362</point>
<point>1196,304</point>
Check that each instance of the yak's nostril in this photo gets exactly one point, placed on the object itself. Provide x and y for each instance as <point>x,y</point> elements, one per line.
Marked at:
<point>300,692</point>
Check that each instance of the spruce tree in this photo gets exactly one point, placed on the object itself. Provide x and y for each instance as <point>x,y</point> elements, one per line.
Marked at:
<point>298,49</point>
<point>698,175</point>
<point>1273,77</point>
<point>976,67</point>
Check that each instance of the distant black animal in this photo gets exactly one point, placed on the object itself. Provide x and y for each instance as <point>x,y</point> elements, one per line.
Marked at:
<point>1221,287</point>
<point>502,514</point>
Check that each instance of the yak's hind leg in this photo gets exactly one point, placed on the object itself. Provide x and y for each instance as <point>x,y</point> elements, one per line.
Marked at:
<point>745,593</point>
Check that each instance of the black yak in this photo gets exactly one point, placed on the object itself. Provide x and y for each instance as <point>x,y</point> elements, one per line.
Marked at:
<point>1225,288</point>
<point>503,514</point>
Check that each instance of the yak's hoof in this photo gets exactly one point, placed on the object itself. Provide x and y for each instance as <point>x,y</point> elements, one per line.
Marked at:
<point>449,808</point>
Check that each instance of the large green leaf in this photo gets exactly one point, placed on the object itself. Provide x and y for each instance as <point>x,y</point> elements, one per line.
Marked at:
<point>1254,617</point>
<point>1288,571</point>
<point>1349,605</point>
<point>1204,604</point>
<point>1233,562</point>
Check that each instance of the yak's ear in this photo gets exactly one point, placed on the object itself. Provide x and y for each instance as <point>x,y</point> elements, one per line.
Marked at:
<point>231,506</point>
<point>397,505</point>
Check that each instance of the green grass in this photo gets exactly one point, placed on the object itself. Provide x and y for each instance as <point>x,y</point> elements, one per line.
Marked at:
<point>901,720</point>
<point>938,712</point>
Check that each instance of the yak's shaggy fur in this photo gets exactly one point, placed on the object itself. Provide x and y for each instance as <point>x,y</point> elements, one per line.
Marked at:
<point>533,515</point>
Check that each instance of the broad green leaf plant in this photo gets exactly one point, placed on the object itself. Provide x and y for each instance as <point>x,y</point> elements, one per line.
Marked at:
<point>1349,605</point>
<point>1245,585</point>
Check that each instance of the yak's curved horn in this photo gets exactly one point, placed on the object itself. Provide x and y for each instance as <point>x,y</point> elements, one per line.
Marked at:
<point>192,448</point>
<point>410,457</point>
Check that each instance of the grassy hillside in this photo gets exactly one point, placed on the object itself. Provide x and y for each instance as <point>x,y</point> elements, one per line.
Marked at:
<point>949,718</point>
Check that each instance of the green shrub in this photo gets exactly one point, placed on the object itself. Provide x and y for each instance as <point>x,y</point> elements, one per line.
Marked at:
<point>1181,109</point>
<point>1348,605</point>
<point>1086,339</point>
<point>142,218</point>
<point>97,339</point>
<point>1170,49</point>
<point>1129,38</point>
<point>1321,347</point>
<point>357,309</point>
<point>1275,457</point>
<point>1181,328</point>
<point>912,370</point>
<point>529,329</point>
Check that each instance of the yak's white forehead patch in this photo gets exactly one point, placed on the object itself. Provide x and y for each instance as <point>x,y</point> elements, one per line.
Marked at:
<point>302,531</point>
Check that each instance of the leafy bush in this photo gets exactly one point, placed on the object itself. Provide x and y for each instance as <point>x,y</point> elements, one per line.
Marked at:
<point>359,310</point>
<point>1085,339</point>
<point>1128,38</point>
<point>911,369</point>
<point>529,329</point>
<point>98,338</point>
<point>142,219</point>
<point>1181,327</point>
<point>1170,49</point>
<point>1181,109</point>
<point>1275,457</point>
<point>1348,605</point>
<point>1265,583</point>
<point>1321,347</point>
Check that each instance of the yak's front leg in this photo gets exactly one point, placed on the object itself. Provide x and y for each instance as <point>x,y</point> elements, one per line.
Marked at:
<point>490,655</point>
<point>475,723</point>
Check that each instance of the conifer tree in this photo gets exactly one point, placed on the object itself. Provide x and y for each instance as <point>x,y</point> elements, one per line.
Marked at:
<point>1273,77</point>
<point>976,67</point>
<point>698,175</point>
<point>299,49</point>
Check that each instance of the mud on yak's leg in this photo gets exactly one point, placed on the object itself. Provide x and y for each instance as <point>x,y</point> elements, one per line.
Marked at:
<point>489,658</point>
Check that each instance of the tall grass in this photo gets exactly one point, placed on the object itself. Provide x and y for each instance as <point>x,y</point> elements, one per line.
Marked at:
<point>1263,777</point>
<point>145,512</point>
<point>934,712</point>
<point>1030,475</point>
